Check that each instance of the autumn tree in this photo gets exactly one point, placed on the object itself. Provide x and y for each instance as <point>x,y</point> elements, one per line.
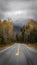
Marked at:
<point>7,31</point>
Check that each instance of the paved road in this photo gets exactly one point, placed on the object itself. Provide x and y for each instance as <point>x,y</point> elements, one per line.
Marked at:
<point>18,54</point>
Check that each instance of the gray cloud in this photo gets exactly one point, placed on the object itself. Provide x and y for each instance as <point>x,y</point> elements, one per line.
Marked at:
<point>9,7</point>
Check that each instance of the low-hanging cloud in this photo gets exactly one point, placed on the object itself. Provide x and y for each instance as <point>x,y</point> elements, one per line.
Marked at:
<point>8,8</point>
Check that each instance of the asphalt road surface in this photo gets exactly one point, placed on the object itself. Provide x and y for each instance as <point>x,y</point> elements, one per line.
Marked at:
<point>18,54</point>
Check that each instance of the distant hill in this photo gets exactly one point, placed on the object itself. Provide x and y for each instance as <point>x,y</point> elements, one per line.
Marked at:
<point>18,25</point>
<point>32,23</point>
<point>17,28</point>
<point>20,22</point>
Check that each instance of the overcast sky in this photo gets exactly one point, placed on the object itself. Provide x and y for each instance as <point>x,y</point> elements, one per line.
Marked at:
<point>16,9</point>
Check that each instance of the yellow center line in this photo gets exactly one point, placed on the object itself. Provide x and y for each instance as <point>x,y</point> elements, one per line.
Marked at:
<point>17,52</point>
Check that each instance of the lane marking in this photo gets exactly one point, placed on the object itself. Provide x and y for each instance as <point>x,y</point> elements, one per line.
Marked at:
<point>17,52</point>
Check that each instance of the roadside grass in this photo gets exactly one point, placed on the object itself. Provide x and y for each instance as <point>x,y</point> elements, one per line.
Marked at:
<point>33,45</point>
<point>3,46</point>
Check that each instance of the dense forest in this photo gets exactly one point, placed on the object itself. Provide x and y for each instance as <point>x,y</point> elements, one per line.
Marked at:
<point>27,34</point>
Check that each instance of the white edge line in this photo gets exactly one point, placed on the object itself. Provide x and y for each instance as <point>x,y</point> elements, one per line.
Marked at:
<point>5,49</point>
